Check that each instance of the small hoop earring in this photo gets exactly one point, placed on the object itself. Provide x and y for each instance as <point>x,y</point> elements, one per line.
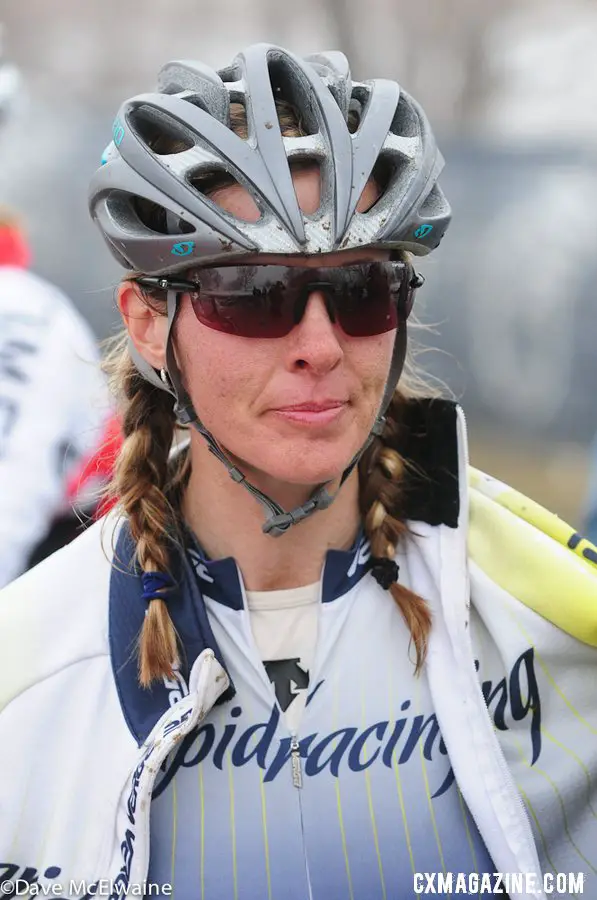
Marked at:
<point>165,377</point>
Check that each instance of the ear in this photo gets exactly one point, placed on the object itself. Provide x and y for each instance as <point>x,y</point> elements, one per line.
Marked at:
<point>147,328</point>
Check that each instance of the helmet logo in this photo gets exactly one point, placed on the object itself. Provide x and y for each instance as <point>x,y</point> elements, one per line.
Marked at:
<point>183,248</point>
<point>423,230</point>
<point>117,132</point>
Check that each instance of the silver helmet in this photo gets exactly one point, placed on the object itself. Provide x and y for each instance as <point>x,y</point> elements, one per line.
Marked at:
<point>192,109</point>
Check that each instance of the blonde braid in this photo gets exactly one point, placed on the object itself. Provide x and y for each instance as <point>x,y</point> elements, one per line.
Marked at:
<point>381,472</point>
<point>140,479</point>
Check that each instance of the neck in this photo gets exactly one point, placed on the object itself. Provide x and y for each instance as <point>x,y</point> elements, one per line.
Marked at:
<point>227,521</point>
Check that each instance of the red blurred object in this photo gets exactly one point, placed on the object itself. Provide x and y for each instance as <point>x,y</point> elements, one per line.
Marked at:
<point>96,470</point>
<point>14,249</point>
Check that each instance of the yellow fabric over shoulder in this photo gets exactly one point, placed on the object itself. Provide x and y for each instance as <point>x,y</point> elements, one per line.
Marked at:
<point>534,555</point>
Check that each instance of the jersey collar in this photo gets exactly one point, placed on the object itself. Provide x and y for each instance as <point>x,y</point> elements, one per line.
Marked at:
<point>221,579</point>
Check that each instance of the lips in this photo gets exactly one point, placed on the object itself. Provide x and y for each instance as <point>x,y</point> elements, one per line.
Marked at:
<point>320,414</point>
<point>320,406</point>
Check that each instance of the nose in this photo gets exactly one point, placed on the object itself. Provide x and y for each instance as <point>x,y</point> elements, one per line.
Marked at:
<point>315,341</point>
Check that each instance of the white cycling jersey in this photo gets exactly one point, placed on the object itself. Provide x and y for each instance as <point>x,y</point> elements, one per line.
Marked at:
<point>53,404</point>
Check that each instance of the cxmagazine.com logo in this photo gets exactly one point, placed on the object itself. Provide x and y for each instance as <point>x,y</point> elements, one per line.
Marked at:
<point>473,884</point>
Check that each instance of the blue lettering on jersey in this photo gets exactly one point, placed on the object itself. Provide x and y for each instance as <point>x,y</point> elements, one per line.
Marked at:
<point>521,691</point>
<point>514,698</point>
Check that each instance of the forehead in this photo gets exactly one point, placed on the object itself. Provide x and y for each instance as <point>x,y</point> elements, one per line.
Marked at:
<point>236,200</point>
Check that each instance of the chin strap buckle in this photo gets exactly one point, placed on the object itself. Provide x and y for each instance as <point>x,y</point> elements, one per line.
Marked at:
<point>185,415</point>
<point>277,525</point>
<point>378,427</point>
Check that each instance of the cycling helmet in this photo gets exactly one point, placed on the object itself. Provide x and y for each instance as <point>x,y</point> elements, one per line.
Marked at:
<point>164,144</point>
<point>192,108</point>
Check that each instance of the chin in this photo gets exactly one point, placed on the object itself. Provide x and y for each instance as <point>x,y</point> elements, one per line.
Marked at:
<point>308,477</point>
<point>305,468</point>
<point>297,459</point>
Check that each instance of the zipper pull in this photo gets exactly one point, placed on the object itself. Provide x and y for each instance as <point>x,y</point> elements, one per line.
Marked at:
<point>295,761</point>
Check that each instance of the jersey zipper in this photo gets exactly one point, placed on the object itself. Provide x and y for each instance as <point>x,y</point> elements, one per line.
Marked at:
<point>295,762</point>
<point>297,781</point>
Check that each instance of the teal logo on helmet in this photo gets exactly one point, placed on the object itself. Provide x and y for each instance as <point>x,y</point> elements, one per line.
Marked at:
<point>183,248</point>
<point>423,230</point>
<point>117,132</point>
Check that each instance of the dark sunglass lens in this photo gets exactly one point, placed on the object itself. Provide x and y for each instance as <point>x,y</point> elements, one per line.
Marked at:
<point>257,308</point>
<point>369,303</point>
<point>256,315</point>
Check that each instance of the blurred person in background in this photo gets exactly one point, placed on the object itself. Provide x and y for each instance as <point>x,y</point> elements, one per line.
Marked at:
<point>395,672</point>
<point>54,405</point>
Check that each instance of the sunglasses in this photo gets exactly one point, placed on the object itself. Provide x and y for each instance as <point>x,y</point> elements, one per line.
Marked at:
<point>268,301</point>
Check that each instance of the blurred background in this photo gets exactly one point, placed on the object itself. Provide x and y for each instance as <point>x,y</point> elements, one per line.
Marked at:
<point>511,89</point>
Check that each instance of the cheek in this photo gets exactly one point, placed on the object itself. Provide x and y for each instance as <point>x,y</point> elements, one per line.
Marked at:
<point>219,371</point>
<point>371,360</point>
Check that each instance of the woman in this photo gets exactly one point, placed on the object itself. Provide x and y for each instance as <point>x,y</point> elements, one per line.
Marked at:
<point>243,708</point>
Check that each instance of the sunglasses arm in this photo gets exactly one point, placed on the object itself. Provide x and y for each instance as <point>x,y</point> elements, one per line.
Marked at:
<point>167,284</point>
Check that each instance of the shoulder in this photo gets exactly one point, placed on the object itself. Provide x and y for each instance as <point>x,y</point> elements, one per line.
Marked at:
<point>57,613</point>
<point>30,299</point>
<point>533,555</point>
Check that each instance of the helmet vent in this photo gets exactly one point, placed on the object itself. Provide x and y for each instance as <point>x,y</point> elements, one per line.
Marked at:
<point>434,204</point>
<point>285,89</point>
<point>229,75</point>
<point>405,122</point>
<point>208,182</point>
<point>155,217</point>
<point>238,114</point>
<point>159,132</point>
<point>357,106</point>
